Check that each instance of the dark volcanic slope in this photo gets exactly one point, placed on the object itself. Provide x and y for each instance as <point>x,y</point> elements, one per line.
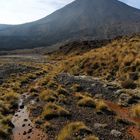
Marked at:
<point>4,26</point>
<point>97,19</point>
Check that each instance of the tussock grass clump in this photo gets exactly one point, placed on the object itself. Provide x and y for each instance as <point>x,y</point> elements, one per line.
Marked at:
<point>52,84</point>
<point>62,90</point>
<point>48,95</point>
<point>52,110</point>
<point>3,107</point>
<point>5,132</point>
<point>10,96</point>
<point>25,78</point>
<point>87,102</point>
<point>84,99</point>
<point>49,81</point>
<point>101,105</point>
<point>62,99</point>
<point>79,95</point>
<point>91,138</point>
<point>135,111</point>
<point>5,126</point>
<point>8,105</point>
<point>76,88</point>
<point>34,88</point>
<point>69,131</point>
<point>10,100</point>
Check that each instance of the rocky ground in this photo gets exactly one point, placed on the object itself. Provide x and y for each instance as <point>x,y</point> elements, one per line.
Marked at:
<point>64,106</point>
<point>103,124</point>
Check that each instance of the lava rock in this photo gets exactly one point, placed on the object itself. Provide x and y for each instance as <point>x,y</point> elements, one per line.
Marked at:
<point>116,133</point>
<point>100,126</point>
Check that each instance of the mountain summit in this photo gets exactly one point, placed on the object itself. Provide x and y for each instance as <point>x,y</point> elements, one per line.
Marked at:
<point>81,19</point>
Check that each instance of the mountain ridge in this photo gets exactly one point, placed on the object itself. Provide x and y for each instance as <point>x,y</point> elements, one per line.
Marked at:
<point>96,19</point>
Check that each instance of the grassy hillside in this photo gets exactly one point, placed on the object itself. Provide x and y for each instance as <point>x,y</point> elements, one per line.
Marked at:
<point>118,60</point>
<point>49,98</point>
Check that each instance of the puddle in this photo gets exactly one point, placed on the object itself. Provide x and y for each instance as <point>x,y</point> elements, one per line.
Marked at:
<point>24,128</point>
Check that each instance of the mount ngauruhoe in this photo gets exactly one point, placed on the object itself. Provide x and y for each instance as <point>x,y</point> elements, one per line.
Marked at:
<point>81,19</point>
<point>3,26</point>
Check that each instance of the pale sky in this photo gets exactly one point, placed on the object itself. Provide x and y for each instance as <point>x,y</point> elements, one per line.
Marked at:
<point>22,11</point>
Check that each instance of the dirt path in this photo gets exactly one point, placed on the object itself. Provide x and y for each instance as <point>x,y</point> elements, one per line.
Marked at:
<point>122,112</point>
<point>134,131</point>
<point>24,128</point>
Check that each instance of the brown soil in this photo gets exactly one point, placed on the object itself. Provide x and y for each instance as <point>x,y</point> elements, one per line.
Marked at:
<point>123,113</point>
<point>134,131</point>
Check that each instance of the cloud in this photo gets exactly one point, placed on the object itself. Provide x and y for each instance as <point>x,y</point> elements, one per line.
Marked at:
<point>134,3</point>
<point>20,11</point>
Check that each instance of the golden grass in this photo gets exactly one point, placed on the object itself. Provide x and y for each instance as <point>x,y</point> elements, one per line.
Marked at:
<point>76,88</point>
<point>86,102</point>
<point>48,95</point>
<point>70,129</point>
<point>135,111</point>
<point>118,60</point>
<point>100,105</point>
<point>91,138</point>
<point>8,104</point>
<point>52,110</point>
<point>62,91</point>
<point>9,95</point>
<point>79,95</point>
<point>5,126</point>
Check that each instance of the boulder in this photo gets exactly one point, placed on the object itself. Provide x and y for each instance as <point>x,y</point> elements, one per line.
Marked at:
<point>116,133</point>
<point>100,126</point>
<point>124,99</point>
